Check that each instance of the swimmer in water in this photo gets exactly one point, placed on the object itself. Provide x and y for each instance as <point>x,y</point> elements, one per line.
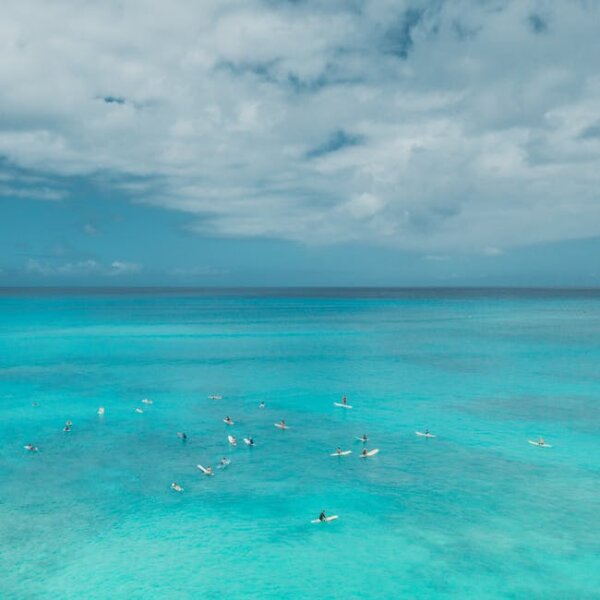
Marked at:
<point>262,405</point>
<point>182,436</point>
<point>228,421</point>
<point>224,461</point>
<point>31,448</point>
<point>364,438</point>
<point>176,487</point>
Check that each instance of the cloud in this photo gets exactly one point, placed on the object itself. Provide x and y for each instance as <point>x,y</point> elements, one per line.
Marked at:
<point>438,127</point>
<point>89,229</point>
<point>492,251</point>
<point>119,267</point>
<point>337,141</point>
<point>80,268</point>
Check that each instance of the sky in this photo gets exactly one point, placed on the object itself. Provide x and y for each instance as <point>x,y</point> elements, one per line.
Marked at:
<point>277,143</point>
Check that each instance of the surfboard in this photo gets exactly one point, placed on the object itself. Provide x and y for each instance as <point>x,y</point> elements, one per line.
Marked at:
<point>205,470</point>
<point>139,410</point>
<point>544,445</point>
<point>101,411</point>
<point>223,465</point>
<point>215,397</point>
<point>361,440</point>
<point>146,401</point>
<point>280,426</point>
<point>341,405</point>
<point>326,519</point>
<point>248,442</point>
<point>344,453</point>
<point>228,422</point>
<point>232,440</point>
<point>427,435</point>
<point>176,487</point>
<point>370,453</point>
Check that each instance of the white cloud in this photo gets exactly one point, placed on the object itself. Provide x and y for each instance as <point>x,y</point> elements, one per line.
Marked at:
<point>493,251</point>
<point>80,268</point>
<point>119,267</point>
<point>89,229</point>
<point>467,117</point>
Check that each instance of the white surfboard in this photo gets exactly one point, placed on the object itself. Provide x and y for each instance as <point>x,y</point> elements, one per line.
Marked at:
<point>101,411</point>
<point>281,426</point>
<point>248,442</point>
<point>326,519</point>
<point>176,487</point>
<point>34,449</point>
<point>215,397</point>
<point>147,401</point>
<point>544,445</point>
<point>342,405</point>
<point>205,470</point>
<point>232,440</point>
<point>361,440</point>
<point>228,422</point>
<point>423,434</point>
<point>139,410</point>
<point>370,453</point>
<point>224,464</point>
<point>344,453</point>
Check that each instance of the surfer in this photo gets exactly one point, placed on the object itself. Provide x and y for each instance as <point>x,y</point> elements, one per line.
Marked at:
<point>250,441</point>
<point>31,448</point>
<point>262,405</point>
<point>176,487</point>
<point>182,436</point>
<point>322,516</point>
<point>338,450</point>
<point>224,462</point>
<point>344,400</point>
<point>541,441</point>
<point>364,438</point>
<point>364,452</point>
<point>228,421</point>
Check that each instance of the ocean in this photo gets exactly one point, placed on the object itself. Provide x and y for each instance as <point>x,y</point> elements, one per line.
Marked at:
<point>476,512</point>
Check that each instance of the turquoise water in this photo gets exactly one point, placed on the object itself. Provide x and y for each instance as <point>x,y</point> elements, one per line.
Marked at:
<point>475,513</point>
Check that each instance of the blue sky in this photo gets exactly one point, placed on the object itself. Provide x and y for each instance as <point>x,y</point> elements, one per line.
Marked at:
<point>300,143</point>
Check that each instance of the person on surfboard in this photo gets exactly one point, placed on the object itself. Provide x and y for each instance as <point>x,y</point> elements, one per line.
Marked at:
<point>322,516</point>
<point>344,400</point>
